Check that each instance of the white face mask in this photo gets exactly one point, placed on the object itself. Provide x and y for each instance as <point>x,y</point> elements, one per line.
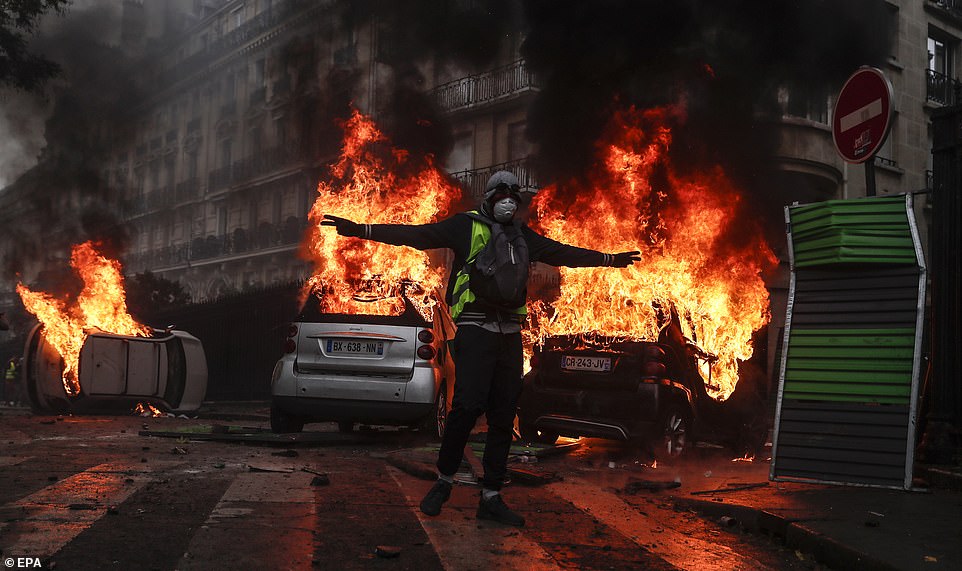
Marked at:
<point>504,210</point>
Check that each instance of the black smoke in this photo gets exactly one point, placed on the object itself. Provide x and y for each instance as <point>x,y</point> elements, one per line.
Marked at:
<point>85,123</point>
<point>423,36</point>
<point>725,59</point>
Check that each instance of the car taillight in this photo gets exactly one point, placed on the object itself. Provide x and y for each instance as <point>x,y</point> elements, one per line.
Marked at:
<point>426,352</point>
<point>289,345</point>
<point>425,336</point>
<point>292,330</point>
<point>653,369</point>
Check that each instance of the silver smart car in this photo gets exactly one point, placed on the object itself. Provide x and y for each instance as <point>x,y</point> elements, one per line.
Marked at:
<point>364,369</point>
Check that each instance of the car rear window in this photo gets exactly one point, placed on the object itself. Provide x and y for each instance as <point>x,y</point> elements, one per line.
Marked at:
<point>311,312</point>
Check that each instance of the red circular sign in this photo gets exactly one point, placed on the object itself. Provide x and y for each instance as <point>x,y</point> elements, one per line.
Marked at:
<point>863,115</point>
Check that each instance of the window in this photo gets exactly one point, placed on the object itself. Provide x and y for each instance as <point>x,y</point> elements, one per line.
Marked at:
<point>229,87</point>
<point>517,143</point>
<point>257,73</point>
<point>462,154</point>
<point>192,165</point>
<point>225,150</point>
<point>805,103</point>
<point>941,74</point>
<point>237,18</point>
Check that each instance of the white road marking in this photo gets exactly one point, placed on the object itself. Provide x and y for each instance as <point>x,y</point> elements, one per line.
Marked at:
<point>44,522</point>
<point>485,546</point>
<point>280,503</point>
<point>676,548</point>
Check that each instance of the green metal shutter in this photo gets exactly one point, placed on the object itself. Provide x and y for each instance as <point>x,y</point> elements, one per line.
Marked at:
<point>849,374</point>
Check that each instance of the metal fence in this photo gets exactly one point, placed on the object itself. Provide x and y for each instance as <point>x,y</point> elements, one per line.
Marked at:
<point>243,337</point>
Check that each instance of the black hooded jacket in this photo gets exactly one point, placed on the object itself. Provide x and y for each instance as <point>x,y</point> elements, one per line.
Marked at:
<point>455,233</point>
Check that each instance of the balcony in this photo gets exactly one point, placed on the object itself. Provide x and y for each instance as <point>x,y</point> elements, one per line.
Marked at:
<point>241,241</point>
<point>159,198</point>
<point>473,181</point>
<point>186,190</point>
<point>941,88</point>
<point>951,8</point>
<point>279,12</point>
<point>486,88</point>
<point>253,166</point>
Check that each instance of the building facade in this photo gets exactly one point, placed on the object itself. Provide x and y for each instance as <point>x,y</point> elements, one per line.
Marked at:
<point>220,166</point>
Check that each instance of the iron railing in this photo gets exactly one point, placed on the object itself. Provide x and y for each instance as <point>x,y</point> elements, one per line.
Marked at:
<point>486,87</point>
<point>473,181</point>
<point>941,88</point>
<point>255,165</point>
<point>240,241</point>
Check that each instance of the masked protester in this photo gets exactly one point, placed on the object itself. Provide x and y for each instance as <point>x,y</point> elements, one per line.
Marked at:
<point>486,294</point>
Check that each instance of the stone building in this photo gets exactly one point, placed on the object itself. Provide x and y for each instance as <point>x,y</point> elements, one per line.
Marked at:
<point>217,164</point>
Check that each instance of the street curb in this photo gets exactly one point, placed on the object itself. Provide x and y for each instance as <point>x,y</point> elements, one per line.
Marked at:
<point>794,534</point>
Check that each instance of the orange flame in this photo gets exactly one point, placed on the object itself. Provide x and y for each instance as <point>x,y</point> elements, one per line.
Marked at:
<point>682,223</point>
<point>146,409</point>
<point>102,304</point>
<point>359,276</point>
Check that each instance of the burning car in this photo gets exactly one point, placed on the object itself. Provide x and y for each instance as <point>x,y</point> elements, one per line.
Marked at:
<point>650,392</point>
<point>364,368</point>
<point>116,372</point>
<point>88,354</point>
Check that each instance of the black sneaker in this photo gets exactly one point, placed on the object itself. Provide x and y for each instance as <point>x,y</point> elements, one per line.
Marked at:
<point>494,509</point>
<point>435,498</point>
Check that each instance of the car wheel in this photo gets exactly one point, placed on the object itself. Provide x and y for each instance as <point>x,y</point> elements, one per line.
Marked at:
<point>284,423</point>
<point>671,439</point>
<point>345,426</point>
<point>531,434</point>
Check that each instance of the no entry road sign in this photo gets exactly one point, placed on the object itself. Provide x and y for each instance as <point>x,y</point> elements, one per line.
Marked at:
<point>863,115</point>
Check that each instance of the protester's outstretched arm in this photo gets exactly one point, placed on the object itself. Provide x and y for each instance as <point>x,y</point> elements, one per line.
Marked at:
<point>344,226</point>
<point>555,253</point>
<point>443,234</point>
<point>623,259</point>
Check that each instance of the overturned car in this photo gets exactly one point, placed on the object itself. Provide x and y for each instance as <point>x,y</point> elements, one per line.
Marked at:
<point>116,372</point>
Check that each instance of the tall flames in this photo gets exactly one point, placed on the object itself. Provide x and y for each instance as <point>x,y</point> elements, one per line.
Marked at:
<point>101,305</point>
<point>700,259</point>
<point>374,183</point>
<point>685,225</point>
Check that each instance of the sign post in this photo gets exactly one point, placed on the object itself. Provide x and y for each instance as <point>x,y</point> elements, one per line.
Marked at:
<point>862,118</point>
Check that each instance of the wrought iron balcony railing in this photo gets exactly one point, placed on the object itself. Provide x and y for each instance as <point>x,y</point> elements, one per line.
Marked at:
<point>240,241</point>
<point>487,87</point>
<point>473,181</point>
<point>941,88</point>
<point>255,165</point>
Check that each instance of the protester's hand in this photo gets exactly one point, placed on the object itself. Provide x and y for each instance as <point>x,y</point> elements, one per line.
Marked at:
<point>343,226</point>
<point>624,259</point>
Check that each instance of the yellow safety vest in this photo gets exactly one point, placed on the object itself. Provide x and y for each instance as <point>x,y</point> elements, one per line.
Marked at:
<point>462,294</point>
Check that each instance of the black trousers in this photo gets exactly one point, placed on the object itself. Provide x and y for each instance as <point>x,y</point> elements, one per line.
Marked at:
<point>488,369</point>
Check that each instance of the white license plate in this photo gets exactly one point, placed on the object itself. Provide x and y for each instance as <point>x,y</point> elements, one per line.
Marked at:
<point>576,363</point>
<point>348,347</point>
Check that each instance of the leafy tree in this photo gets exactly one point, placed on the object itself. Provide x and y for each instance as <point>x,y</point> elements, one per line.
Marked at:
<point>19,68</point>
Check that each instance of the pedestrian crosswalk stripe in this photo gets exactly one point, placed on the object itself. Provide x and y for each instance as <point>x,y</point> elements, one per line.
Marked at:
<point>48,519</point>
<point>283,503</point>
<point>680,550</point>
<point>490,547</point>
